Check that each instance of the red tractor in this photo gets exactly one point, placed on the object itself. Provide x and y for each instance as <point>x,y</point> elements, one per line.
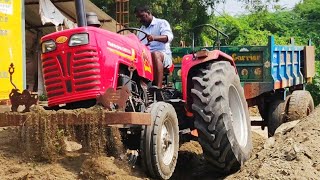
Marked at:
<point>82,65</point>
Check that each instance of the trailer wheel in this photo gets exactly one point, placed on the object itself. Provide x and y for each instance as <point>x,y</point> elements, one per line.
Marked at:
<point>160,142</point>
<point>300,105</point>
<point>221,117</point>
<point>276,115</point>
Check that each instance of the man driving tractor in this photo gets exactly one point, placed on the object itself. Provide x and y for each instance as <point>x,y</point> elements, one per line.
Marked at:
<point>158,39</point>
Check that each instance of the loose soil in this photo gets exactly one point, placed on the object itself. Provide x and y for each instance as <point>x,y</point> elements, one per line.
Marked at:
<point>24,155</point>
<point>293,154</point>
<point>254,111</point>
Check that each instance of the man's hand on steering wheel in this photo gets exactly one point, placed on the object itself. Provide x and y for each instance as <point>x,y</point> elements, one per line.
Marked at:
<point>150,38</point>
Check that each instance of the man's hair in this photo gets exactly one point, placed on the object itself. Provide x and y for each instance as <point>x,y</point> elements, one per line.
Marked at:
<point>142,8</point>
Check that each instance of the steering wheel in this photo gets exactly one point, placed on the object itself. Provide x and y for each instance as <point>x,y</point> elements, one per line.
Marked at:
<point>134,29</point>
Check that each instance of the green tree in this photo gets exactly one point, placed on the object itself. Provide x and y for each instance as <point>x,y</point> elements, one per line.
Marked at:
<point>308,24</point>
<point>183,15</point>
<point>108,6</point>
<point>314,88</point>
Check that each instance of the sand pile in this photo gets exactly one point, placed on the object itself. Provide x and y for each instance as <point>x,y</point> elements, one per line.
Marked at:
<point>293,153</point>
<point>102,167</point>
<point>88,150</point>
<point>48,134</point>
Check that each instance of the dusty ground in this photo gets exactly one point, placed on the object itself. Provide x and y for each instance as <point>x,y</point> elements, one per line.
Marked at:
<point>294,154</point>
<point>254,111</point>
<point>78,165</point>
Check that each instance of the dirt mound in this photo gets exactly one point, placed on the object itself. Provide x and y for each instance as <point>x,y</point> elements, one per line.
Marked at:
<point>257,142</point>
<point>40,149</point>
<point>48,134</point>
<point>294,154</point>
<point>102,167</point>
<point>254,111</point>
<point>85,165</point>
<point>14,163</point>
<point>191,163</point>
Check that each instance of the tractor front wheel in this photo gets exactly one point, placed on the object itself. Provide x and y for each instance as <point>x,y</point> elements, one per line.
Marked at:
<point>221,116</point>
<point>160,142</point>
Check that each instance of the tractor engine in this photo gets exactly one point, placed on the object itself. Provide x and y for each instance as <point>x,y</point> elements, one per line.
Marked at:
<point>137,101</point>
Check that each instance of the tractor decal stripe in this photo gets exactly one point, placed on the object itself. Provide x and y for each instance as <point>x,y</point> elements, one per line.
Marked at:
<point>118,47</point>
<point>146,63</point>
<point>124,55</point>
<point>147,68</point>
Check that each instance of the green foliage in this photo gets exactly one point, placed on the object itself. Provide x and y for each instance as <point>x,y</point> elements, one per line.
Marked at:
<point>308,24</point>
<point>108,6</point>
<point>314,88</point>
<point>255,28</point>
<point>183,15</point>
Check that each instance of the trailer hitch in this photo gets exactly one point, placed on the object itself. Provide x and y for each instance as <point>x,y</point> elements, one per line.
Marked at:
<point>17,98</point>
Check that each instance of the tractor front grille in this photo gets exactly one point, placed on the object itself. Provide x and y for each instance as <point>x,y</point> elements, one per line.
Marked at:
<point>71,72</point>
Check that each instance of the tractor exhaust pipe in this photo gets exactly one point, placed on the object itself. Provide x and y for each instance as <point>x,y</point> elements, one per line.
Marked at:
<point>81,15</point>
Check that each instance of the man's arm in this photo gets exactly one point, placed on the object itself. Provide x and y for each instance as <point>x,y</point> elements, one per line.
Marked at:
<point>166,34</point>
<point>161,38</point>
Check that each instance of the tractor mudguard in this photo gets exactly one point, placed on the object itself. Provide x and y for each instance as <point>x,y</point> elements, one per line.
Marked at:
<point>189,61</point>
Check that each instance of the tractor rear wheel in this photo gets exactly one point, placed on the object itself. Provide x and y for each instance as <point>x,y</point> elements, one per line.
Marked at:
<point>221,117</point>
<point>300,105</point>
<point>160,141</point>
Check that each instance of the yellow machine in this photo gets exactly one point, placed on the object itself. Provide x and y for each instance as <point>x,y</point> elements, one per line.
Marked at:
<point>12,40</point>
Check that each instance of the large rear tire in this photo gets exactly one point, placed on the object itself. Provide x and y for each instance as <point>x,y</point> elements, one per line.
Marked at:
<point>300,105</point>
<point>221,117</point>
<point>160,142</point>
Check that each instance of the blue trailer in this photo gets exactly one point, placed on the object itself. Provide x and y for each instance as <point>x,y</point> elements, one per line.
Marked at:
<point>273,78</point>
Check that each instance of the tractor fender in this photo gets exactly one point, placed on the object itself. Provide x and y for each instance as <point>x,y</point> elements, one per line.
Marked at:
<point>189,63</point>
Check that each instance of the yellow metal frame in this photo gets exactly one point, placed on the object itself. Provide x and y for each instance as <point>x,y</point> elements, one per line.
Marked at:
<point>12,38</point>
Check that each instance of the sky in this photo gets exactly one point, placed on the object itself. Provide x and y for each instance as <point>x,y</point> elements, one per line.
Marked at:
<point>233,7</point>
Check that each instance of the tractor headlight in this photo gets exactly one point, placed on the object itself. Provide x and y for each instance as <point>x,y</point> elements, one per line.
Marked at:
<point>79,39</point>
<point>48,46</point>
